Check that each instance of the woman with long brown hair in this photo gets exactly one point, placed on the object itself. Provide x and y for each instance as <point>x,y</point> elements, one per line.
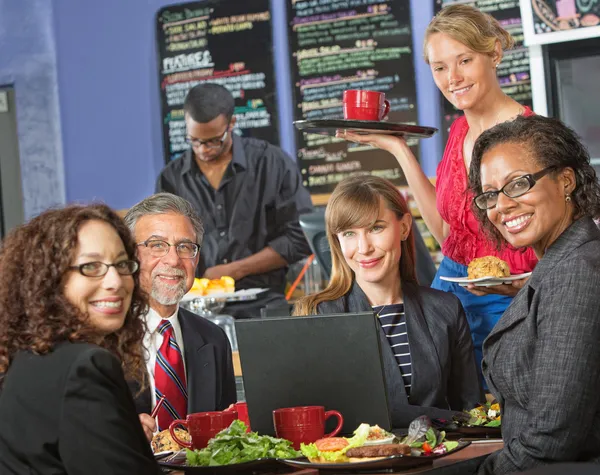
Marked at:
<point>426,343</point>
<point>463,47</point>
<point>70,334</point>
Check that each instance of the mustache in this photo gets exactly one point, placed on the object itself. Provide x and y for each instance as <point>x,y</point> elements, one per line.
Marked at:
<point>171,271</point>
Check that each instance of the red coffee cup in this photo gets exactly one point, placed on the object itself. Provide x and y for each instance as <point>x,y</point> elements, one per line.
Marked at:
<point>365,105</point>
<point>242,410</point>
<point>202,427</point>
<point>304,424</point>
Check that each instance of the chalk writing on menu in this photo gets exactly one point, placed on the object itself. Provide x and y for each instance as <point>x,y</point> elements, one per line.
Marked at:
<point>224,42</point>
<point>513,71</point>
<point>561,15</point>
<point>338,45</point>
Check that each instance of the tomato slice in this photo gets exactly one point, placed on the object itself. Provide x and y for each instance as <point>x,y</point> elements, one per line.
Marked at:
<point>331,444</point>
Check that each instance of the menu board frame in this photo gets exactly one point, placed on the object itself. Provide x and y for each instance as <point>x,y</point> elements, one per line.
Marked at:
<point>252,104</point>
<point>534,38</point>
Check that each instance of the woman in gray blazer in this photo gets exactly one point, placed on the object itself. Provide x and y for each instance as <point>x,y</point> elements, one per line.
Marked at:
<point>426,343</point>
<point>534,186</point>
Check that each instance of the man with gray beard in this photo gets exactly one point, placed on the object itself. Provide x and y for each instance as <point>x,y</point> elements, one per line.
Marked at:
<point>188,358</point>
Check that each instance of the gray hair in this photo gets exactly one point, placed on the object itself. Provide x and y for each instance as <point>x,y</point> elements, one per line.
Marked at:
<point>163,203</point>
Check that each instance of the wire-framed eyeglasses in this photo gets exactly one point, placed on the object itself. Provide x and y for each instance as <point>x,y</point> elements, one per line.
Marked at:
<point>513,189</point>
<point>98,269</point>
<point>160,248</point>
<point>210,143</point>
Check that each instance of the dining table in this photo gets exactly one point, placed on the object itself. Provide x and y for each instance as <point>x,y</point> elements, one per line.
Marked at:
<point>478,448</point>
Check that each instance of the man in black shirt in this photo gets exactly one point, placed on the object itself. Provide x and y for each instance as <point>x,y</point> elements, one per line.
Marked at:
<point>249,194</point>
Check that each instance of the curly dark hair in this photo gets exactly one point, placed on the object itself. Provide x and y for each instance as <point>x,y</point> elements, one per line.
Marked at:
<point>35,315</point>
<point>551,144</point>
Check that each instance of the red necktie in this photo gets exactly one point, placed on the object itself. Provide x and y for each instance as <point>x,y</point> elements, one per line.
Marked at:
<point>169,378</point>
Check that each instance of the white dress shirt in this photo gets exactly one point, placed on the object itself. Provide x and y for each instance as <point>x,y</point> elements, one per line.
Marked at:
<point>153,340</point>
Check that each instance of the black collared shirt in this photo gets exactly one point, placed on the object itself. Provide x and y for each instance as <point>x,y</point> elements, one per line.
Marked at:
<point>257,205</point>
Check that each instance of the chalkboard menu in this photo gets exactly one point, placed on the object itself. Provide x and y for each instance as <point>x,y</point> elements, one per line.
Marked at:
<point>338,45</point>
<point>513,71</point>
<point>219,41</point>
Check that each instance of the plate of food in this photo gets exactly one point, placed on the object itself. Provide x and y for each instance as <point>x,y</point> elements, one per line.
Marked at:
<point>233,450</point>
<point>421,446</point>
<point>223,288</point>
<point>331,127</point>
<point>482,421</point>
<point>485,272</point>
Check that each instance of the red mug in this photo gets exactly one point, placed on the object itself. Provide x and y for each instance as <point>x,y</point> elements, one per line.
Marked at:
<point>304,424</point>
<point>202,427</point>
<point>242,410</point>
<point>365,105</point>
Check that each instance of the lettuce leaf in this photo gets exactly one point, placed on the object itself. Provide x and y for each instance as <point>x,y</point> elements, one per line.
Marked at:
<point>234,445</point>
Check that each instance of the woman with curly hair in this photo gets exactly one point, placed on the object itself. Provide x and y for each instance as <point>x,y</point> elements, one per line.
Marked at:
<point>534,187</point>
<point>70,333</point>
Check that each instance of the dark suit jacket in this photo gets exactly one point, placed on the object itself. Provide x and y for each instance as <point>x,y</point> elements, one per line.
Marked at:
<point>542,359</point>
<point>70,411</point>
<point>444,372</point>
<point>208,363</point>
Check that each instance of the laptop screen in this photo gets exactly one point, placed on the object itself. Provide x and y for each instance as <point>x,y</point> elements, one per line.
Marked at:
<point>328,360</point>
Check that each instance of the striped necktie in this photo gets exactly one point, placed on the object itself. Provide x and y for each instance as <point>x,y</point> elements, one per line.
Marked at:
<point>169,378</point>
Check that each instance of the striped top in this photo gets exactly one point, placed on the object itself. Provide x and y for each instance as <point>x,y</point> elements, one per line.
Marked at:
<point>393,322</point>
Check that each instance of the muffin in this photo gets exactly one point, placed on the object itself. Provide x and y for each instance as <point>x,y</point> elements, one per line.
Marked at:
<point>488,266</point>
<point>163,442</point>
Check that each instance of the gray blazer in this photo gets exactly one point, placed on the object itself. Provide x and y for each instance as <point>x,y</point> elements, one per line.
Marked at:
<point>542,359</point>
<point>444,375</point>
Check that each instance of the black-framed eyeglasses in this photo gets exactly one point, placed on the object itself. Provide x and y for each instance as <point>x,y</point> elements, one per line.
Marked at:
<point>98,269</point>
<point>513,189</point>
<point>160,248</point>
<point>210,143</point>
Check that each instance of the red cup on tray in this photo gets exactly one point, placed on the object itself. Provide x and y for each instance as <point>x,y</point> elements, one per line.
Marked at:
<point>304,424</point>
<point>365,105</point>
<point>202,426</point>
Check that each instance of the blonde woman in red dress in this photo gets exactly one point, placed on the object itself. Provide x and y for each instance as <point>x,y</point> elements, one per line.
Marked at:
<point>463,48</point>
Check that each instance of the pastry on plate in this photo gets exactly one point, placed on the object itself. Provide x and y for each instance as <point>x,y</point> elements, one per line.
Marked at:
<point>488,266</point>
<point>163,442</point>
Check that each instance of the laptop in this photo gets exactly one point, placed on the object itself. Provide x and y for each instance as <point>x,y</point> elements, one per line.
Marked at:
<point>328,360</point>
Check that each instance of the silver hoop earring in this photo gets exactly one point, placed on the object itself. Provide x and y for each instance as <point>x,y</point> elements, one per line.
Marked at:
<point>567,198</point>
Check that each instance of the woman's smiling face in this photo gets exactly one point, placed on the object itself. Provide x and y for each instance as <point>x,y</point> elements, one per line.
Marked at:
<point>537,217</point>
<point>373,252</point>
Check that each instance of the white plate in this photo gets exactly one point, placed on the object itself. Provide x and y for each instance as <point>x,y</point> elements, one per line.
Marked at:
<point>484,281</point>
<point>237,296</point>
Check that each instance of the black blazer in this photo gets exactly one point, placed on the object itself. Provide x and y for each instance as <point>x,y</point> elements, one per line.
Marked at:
<point>542,359</point>
<point>208,363</point>
<point>70,412</point>
<point>444,372</point>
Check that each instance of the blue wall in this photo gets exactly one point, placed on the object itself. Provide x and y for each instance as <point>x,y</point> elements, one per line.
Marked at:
<point>106,66</point>
<point>28,63</point>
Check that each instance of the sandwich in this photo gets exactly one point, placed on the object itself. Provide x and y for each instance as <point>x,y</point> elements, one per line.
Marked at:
<point>488,266</point>
<point>368,443</point>
<point>333,449</point>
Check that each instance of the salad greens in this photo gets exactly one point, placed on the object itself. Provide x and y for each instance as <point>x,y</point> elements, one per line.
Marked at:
<point>358,440</point>
<point>486,415</point>
<point>424,439</point>
<point>234,445</point>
